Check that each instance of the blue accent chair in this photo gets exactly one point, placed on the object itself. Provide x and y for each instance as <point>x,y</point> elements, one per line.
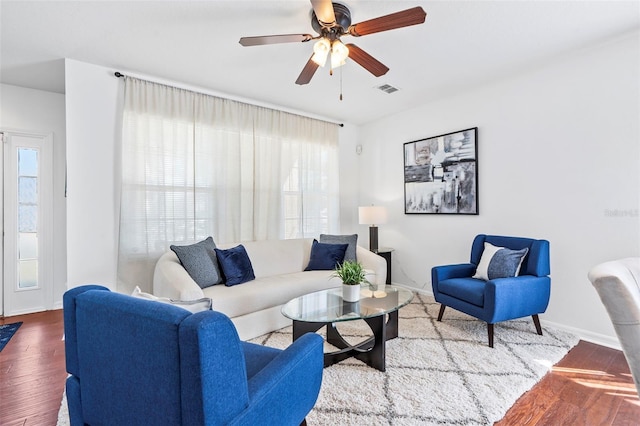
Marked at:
<point>499,299</point>
<point>139,362</point>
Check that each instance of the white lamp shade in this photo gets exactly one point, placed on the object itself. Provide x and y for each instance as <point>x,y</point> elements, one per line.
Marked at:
<point>372,215</point>
<point>321,51</point>
<point>339,54</point>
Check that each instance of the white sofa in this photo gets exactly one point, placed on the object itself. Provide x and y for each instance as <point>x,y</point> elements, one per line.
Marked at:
<point>254,306</point>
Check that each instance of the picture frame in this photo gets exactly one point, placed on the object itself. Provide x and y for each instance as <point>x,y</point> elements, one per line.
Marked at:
<point>441,174</point>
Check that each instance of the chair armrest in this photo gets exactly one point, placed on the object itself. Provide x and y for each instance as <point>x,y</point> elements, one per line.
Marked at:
<point>446,272</point>
<point>171,280</point>
<point>288,387</point>
<point>372,262</point>
<point>213,371</point>
<point>517,297</point>
<point>617,285</point>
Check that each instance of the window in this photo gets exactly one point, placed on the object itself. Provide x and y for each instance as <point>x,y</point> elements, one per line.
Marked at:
<point>28,207</point>
<point>196,165</point>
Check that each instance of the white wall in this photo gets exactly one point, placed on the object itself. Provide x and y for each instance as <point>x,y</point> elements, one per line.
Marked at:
<point>559,153</point>
<point>93,132</point>
<point>558,150</point>
<point>349,171</point>
<point>43,112</point>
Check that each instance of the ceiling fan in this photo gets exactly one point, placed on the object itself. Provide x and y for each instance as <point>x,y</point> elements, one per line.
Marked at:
<point>332,21</point>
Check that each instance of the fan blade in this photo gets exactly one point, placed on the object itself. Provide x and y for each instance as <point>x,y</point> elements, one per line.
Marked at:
<point>307,72</point>
<point>324,12</point>
<point>274,39</point>
<point>367,61</point>
<point>401,19</point>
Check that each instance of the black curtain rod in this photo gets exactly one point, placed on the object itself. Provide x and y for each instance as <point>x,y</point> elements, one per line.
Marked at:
<point>120,75</point>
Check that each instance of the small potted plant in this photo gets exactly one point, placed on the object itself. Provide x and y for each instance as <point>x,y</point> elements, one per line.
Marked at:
<point>352,275</point>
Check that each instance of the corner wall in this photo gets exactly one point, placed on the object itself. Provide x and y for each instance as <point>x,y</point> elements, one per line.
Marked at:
<point>559,159</point>
<point>93,114</point>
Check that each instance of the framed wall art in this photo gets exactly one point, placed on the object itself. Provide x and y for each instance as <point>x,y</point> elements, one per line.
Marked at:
<point>441,174</point>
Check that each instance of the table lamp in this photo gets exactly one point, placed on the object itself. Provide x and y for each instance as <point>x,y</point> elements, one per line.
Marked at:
<point>373,216</point>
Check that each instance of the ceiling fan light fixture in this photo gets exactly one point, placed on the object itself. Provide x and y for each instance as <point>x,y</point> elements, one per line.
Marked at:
<point>339,54</point>
<point>321,51</point>
<point>331,21</point>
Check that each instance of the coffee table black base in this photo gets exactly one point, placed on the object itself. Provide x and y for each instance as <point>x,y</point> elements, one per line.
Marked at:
<point>370,351</point>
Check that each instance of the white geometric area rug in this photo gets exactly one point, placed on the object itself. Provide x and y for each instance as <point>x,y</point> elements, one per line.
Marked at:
<point>437,373</point>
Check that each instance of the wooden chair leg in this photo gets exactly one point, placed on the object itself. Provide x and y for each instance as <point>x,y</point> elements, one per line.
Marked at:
<point>536,321</point>
<point>490,332</point>
<point>441,312</point>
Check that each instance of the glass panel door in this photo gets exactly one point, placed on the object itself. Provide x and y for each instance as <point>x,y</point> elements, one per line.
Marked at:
<point>27,223</point>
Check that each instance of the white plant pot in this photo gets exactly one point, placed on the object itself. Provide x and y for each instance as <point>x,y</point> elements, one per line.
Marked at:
<point>350,293</point>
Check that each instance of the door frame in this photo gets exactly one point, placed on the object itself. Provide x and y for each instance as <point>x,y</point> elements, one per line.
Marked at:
<point>45,219</point>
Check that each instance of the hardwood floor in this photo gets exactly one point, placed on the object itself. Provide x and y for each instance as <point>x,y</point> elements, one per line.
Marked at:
<point>590,386</point>
<point>32,370</point>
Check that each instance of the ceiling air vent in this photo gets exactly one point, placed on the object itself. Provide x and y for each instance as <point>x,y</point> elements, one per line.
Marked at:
<point>387,88</point>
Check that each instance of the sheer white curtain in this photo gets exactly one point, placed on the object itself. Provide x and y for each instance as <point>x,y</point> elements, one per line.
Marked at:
<point>195,165</point>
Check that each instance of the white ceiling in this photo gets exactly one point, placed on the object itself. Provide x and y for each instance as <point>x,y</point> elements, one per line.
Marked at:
<point>462,44</point>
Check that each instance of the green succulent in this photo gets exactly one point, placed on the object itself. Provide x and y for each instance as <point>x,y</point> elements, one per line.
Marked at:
<point>350,272</point>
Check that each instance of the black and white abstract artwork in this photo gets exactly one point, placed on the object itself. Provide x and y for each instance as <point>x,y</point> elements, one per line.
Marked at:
<point>441,174</point>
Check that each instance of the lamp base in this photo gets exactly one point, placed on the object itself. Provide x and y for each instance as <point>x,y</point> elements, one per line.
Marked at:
<point>373,239</point>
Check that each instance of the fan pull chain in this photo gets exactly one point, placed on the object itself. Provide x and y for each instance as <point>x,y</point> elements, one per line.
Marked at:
<point>341,82</point>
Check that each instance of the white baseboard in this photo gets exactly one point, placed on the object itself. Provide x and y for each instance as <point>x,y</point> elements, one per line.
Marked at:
<point>589,336</point>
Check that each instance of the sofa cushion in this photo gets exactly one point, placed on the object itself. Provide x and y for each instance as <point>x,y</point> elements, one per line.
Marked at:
<point>192,306</point>
<point>351,240</point>
<point>325,256</point>
<point>275,257</point>
<point>199,260</point>
<point>236,265</point>
<point>499,262</point>
<point>268,292</point>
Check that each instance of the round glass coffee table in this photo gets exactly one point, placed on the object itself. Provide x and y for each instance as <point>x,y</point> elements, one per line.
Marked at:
<point>313,311</point>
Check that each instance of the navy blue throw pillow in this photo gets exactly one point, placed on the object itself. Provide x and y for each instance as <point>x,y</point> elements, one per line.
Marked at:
<point>350,240</point>
<point>236,265</point>
<point>325,257</point>
<point>499,262</point>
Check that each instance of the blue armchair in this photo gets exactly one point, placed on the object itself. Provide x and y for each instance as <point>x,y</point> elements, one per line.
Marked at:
<point>139,362</point>
<point>498,299</point>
